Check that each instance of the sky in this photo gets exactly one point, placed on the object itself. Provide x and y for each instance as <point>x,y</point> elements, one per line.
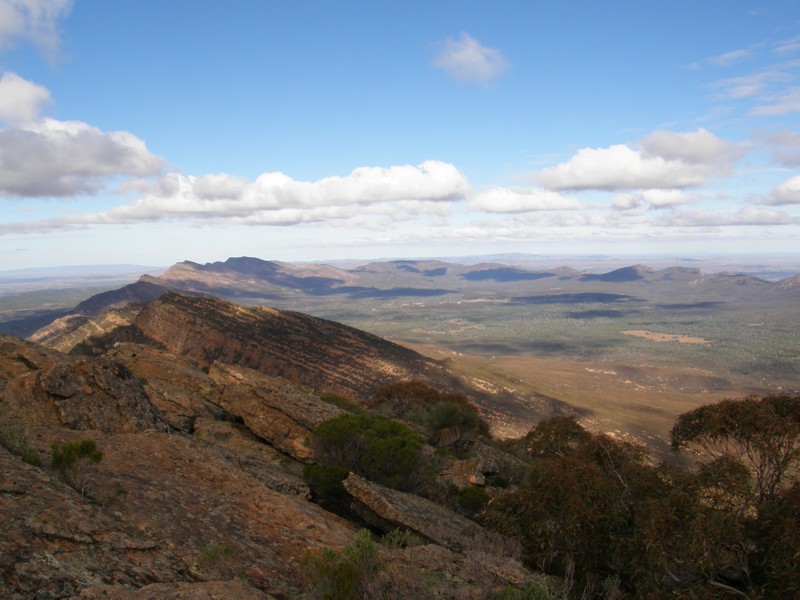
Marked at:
<point>154,131</point>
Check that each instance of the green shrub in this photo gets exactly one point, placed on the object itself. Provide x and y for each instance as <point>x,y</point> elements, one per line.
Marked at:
<point>375,447</point>
<point>473,499</point>
<point>221,560</point>
<point>325,482</point>
<point>342,575</point>
<point>72,459</point>
<point>401,538</point>
<point>342,402</point>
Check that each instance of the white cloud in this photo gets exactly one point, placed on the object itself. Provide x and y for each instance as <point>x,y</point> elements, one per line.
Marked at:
<point>466,60</point>
<point>787,46</point>
<point>620,167</point>
<point>35,21</point>
<point>635,202</point>
<point>64,158</point>
<point>504,200</point>
<point>786,147</point>
<point>747,216</point>
<point>21,100</point>
<point>694,147</point>
<point>219,186</point>
<point>368,197</point>
<point>667,160</point>
<point>277,199</point>
<point>779,104</point>
<point>728,58</point>
<point>786,193</point>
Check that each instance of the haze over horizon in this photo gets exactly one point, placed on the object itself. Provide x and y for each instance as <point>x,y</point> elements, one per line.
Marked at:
<point>154,132</point>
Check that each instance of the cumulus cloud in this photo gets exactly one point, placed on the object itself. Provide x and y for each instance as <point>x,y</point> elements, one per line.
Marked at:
<point>786,193</point>
<point>505,200</point>
<point>21,100</point>
<point>64,158</point>
<point>620,167</point>
<point>665,160</point>
<point>277,199</point>
<point>694,147</point>
<point>35,21</point>
<point>637,201</point>
<point>466,60</point>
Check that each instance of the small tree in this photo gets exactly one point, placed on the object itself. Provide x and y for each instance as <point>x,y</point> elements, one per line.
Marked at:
<point>761,433</point>
<point>72,459</point>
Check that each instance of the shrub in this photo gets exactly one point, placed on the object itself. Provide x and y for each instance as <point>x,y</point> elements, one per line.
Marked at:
<point>343,575</point>
<point>221,560</point>
<point>401,538</point>
<point>325,482</point>
<point>375,447</point>
<point>472,499</point>
<point>446,416</point>
<point>16,443</point>
<point>342,402</point>
<point>72,459</point>
<point>578,504</point>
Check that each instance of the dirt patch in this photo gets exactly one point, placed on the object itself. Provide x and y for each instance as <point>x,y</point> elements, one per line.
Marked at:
<point>666,337</point>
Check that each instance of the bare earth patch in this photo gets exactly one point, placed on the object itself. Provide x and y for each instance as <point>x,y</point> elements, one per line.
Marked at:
<point>666,337</point>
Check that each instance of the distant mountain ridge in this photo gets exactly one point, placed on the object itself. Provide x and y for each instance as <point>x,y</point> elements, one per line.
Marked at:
<point>248,280</point>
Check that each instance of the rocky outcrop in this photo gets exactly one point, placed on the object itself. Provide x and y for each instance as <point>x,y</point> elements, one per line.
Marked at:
<point>53,542</point>
<point>67,332</point>
<point>159,505</point>
<point>244,450</point>
<point>176,385</point>
<point>49,388</point>
<point>272,409</point>
<point>154,510</point>
<point>389,509</point>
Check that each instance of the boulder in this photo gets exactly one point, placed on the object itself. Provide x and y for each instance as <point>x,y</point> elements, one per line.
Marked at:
<point>388,509</point>
<point>278,412</point>
<point>46,387</point>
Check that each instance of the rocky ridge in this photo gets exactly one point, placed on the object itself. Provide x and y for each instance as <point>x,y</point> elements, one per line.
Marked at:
<point>199,491</point>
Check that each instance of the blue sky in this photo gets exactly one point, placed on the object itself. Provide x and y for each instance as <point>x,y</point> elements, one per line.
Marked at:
<point>152,131</point>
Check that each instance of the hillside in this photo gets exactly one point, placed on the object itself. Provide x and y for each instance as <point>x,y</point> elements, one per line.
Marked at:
<point>203,411</point>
